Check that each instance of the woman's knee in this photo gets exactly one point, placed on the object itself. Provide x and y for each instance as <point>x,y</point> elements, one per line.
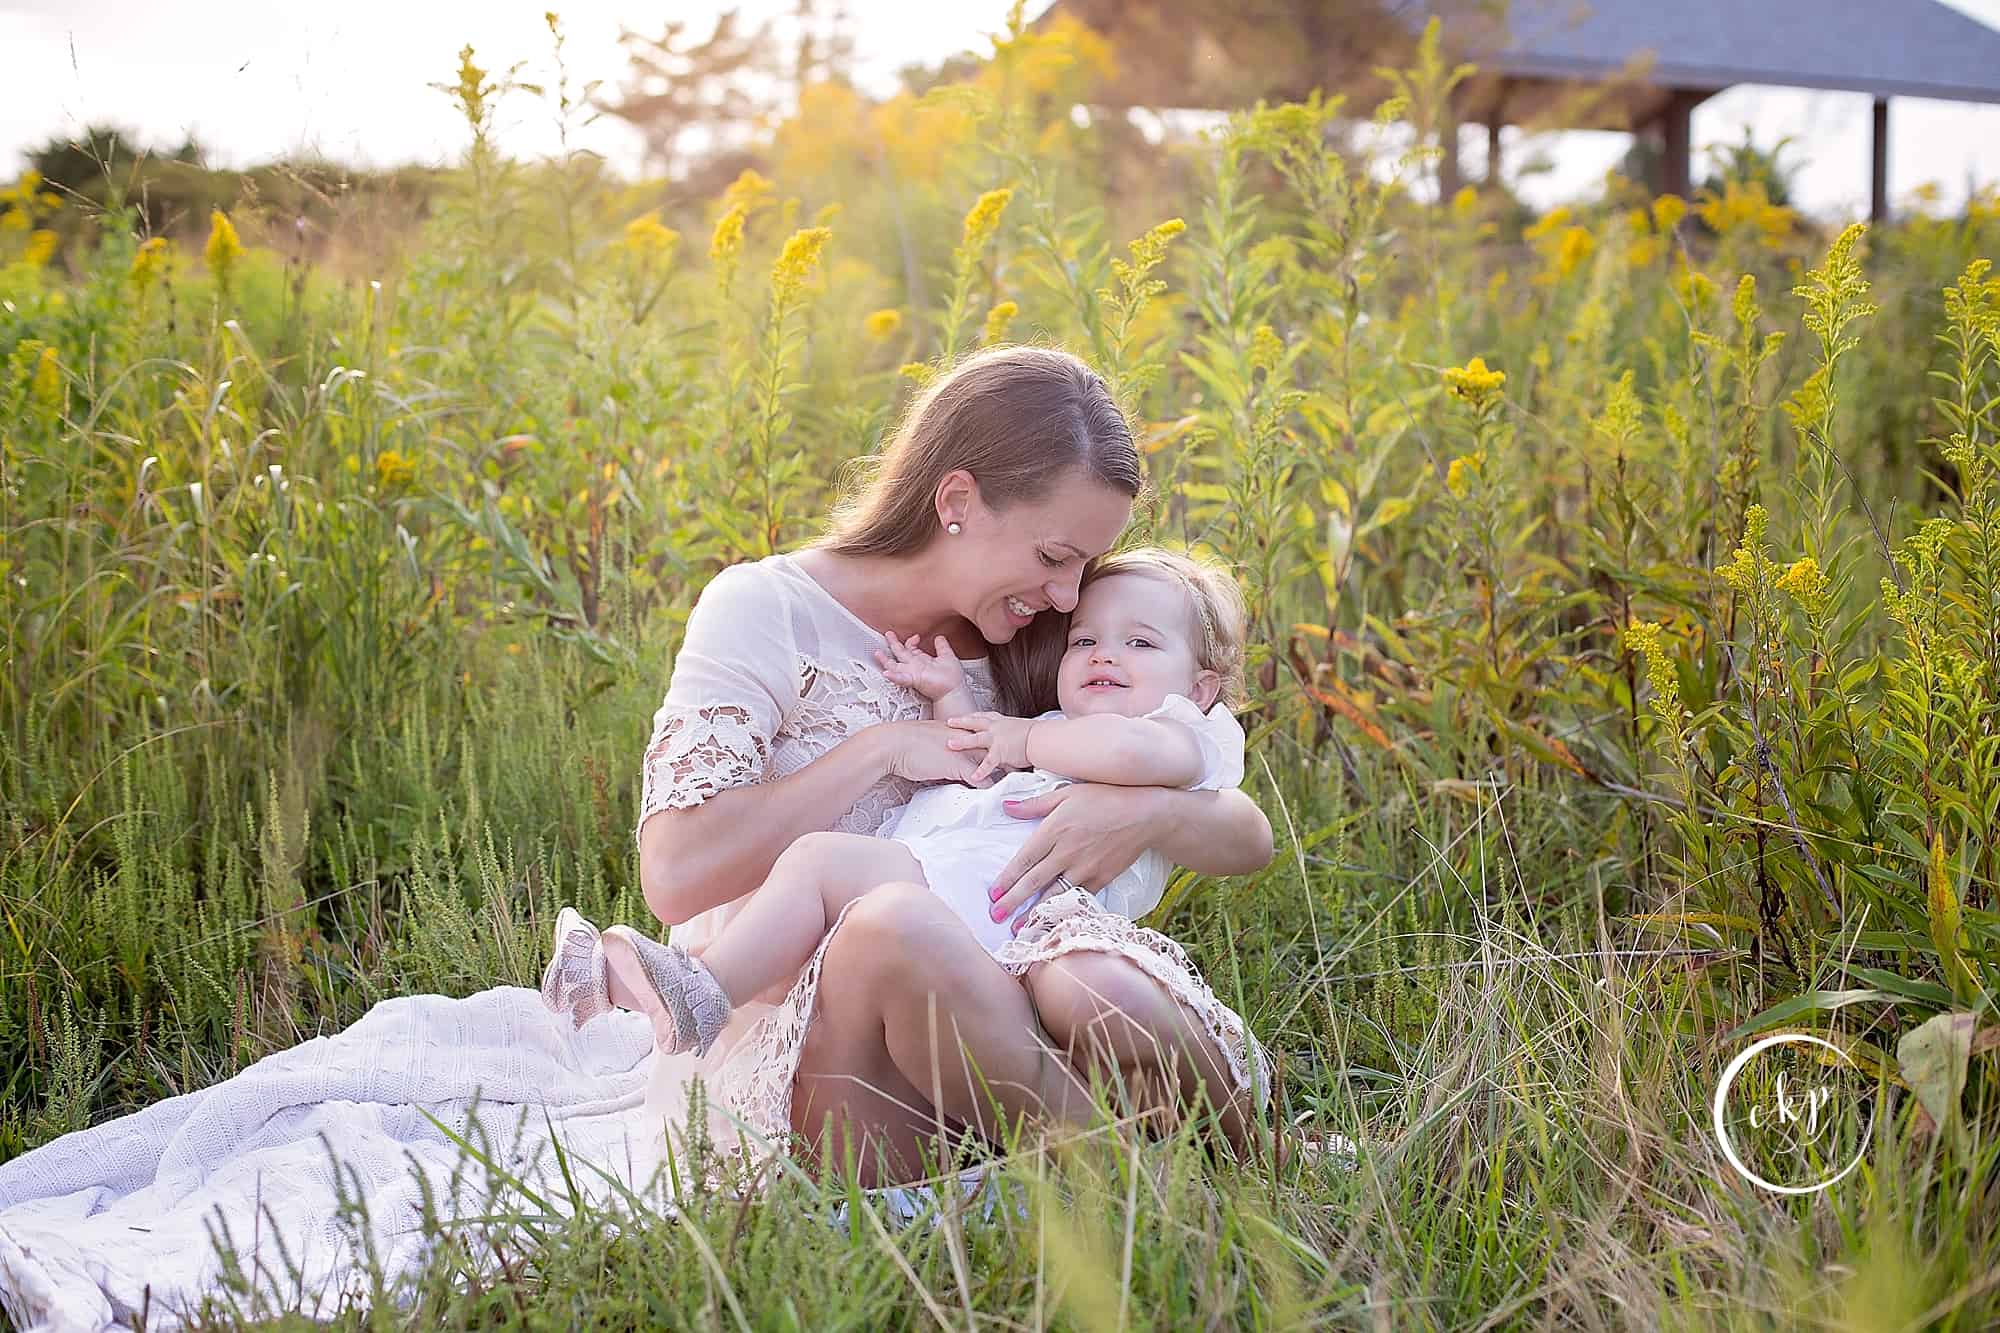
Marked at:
<point>899,933</point>
<point>1084,995</point>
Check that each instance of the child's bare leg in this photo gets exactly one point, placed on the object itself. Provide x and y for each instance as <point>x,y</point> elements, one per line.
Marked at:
<point>689,999</point>
<point>785,919</point>
<point>1109,1015</point>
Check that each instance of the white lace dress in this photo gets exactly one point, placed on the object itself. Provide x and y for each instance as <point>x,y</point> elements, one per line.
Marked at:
<point>773,673</point>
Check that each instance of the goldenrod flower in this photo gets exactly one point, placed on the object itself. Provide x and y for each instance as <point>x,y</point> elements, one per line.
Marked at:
<point>393,471</point>
<point>1749,562</point>
<point>1464,202</point>
<point>1805,583</point>
<point>46,385</point>
<point>1668,210</point>
<point>1463,471</point>
<point>749,191</point>
<point>798,261</point>
<point>41,244</point>
<point>649,238</point>
<point>1576,246</point>
<point>882,325</point>
<point>1645,639</point>
<point>1548,224</point>
<point>223,248</point>
<point>984,219</point>
<point>1266,349</point>
<point>1474,383</point>
<point>149,262</point>
<point>917,372</point>
<point>727,242</point>
<point>997,320</point>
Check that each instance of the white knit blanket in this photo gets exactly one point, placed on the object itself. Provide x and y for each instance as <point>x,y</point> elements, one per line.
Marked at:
<point>128,1216</point>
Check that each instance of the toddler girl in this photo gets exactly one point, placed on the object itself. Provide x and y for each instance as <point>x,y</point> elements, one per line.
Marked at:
<point>1153,659</point>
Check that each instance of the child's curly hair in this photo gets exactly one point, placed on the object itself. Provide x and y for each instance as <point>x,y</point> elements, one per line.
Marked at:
<point>1216,608</point>
<point>1025,668</point>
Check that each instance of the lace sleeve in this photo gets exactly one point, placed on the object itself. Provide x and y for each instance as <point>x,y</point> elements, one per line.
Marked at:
<point>734,681</point>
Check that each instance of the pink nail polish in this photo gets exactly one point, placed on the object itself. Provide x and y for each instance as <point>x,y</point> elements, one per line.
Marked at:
<point>999,915</point>
<point>993,894</point>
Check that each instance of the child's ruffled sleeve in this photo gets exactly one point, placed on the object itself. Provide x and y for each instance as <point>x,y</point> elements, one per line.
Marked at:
<point>734,681</point>
<point>1220,738</point>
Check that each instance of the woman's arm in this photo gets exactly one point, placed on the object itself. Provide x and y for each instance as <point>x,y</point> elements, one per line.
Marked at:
<point>1090,833</point>
<point>708,854</point>
<point>705,855</point>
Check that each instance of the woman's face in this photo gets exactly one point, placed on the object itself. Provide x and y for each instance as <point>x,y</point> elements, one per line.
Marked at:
<point>1007,566</point>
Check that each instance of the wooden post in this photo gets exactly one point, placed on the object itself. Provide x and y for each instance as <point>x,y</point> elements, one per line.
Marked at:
<point>1878,194</point>
<point>1676,124</point>
<point>1493,151</point>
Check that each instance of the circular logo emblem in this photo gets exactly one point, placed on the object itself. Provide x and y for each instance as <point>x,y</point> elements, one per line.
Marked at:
<point>1788,1113</point>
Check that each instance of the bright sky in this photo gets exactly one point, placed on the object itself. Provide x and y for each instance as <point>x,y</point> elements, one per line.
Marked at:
<point>253,79</point>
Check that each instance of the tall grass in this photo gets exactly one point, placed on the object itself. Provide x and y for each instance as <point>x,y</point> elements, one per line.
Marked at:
<point>1625,591</point>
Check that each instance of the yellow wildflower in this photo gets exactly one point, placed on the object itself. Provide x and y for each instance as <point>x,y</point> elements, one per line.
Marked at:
<point>1473,382</point>
<point>983,219</point>
<point>1464,470</point>
<point>1805,583</point>
<point>997,320</point>
<point>393,471</point>
<point>149,262</point>
<point>1464,202</point>
<point>726,245</point>
<point>46,386</point>
<point>798,261</point>
<point>1576,246</point>
<point>1668,210</point>
<point>41,244</point>
<point>1645,639</point>
<point>917,372</point>
<point>1266,349</point>
<point>649,238</point>
<point>750,191</point>
<point>223,248</point>
<point>882,325</point>
<point>1749,562</point>
<point>1548,224</point>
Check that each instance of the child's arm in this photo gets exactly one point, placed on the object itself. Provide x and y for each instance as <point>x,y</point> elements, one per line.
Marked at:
<point>1125,751</point>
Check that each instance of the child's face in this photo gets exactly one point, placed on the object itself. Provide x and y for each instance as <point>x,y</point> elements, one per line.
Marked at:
<point>1131,644</point>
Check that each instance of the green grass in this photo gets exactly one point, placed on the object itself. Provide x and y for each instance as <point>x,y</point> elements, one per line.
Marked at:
<point>337,602</point>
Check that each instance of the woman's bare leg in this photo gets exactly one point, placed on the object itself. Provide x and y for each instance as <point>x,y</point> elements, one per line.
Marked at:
<point>1111,1017</point>
<point>918,1030</point>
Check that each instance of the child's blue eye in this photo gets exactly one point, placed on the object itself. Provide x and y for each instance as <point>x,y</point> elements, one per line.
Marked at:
<point>1140,643</point>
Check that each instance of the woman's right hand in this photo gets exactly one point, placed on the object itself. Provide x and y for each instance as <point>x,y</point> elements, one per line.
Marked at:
<point>921,752</point>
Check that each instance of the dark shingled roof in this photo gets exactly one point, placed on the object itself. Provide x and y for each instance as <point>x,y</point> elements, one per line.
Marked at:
<point>1581,63</point>
<point>1890,48</point>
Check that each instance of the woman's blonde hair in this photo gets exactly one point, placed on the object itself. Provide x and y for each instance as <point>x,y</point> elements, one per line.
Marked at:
<point>1018,419</point>
<point>1215,607</point>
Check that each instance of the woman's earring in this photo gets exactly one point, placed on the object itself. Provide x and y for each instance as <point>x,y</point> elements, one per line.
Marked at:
<point>952,528</point>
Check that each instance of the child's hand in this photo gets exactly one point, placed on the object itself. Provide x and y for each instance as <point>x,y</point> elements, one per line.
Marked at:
<point>933,676</point>
<point>1005,740</point>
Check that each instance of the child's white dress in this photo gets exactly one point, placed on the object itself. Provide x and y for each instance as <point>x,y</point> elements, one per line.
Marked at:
<point>963,836</point>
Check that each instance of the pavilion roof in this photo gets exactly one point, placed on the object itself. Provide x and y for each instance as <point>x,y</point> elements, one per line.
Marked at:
<point>1603,63</point>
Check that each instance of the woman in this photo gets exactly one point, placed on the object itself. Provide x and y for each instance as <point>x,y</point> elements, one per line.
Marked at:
<point>1008,475</point>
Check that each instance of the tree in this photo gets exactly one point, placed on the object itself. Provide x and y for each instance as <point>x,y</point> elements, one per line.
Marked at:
<point>691,96</point>
<point>696,99</point>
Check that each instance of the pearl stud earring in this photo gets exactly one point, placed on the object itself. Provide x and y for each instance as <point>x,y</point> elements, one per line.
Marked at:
<point>952,528</point>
